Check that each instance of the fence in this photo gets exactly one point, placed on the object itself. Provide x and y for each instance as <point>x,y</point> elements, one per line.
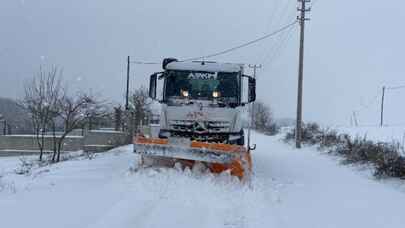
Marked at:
<point>94,141</point>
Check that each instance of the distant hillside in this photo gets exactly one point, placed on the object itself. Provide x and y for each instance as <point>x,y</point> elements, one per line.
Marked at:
<point>16,116</point>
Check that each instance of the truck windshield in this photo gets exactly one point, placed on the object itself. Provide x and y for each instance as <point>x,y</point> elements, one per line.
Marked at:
<point>222,86</point>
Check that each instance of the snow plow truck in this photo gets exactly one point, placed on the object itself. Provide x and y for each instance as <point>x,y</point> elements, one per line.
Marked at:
<point>201,120</point>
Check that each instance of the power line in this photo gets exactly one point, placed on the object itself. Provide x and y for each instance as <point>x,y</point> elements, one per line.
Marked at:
<point>274,10</point>
<point>395,87</point>
<point>229,49</point>
<point>244,44</point>
<point>280,49</point>
<point>273,22</point>
<point>277,50</point>
<point>284,13</point>
<point>269,51</point>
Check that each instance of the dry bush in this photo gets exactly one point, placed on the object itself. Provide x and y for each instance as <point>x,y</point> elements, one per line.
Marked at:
<point>384,157</point>
<point>311,134</point>
<point>263,120</point>
<point>390,165</point>
<point>24,167</point>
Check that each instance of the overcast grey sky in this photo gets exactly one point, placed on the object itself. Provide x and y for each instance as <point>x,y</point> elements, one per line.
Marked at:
<point>352,48</point>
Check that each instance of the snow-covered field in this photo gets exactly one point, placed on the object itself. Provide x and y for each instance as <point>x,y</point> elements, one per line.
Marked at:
<point>290,188</point>
<point>376,133</point>
<point>386,134</point>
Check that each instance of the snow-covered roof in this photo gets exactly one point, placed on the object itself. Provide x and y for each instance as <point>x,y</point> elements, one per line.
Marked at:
<point>205,66</point>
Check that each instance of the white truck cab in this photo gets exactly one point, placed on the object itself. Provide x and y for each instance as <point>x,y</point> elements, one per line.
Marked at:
<point>202,100</point>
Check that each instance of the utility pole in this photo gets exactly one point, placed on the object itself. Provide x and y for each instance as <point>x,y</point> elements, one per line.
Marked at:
<point>127,92</point>
<point>382,107</point>
<point>255,67</point>
<point>252,106</point>
<point>301,19</point>
<point>129,114</point>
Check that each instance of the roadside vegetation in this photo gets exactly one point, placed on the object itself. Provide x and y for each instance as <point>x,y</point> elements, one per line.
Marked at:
<point>53,109</point>
<point>51,112</point>
<point>385,158</point>
<point>263,120</point>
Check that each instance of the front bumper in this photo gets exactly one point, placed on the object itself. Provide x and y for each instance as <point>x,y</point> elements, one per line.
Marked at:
<point>203,137</point>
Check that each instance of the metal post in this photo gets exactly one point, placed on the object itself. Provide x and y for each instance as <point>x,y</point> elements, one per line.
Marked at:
<point>127,92</point>
<point>302,19</point>
<point>382,107</point>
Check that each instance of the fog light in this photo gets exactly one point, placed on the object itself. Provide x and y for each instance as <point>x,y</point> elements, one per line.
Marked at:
<point>184,93</point>
<point>215,94</point>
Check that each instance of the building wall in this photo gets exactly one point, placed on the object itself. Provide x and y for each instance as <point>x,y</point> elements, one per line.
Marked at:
<point>29,142</point>
<point>102,137</point>
<point>95,140</point>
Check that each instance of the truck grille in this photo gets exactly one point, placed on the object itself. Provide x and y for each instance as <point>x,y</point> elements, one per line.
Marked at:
<point>200,127</point>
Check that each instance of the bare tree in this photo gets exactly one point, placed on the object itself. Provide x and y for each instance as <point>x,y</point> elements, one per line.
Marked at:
<point>52,108</point>
<point>41,99</point>
<point>118,118</point>
<point>140,106</point>
<point>98,114</point>
<point>74,110</point>
<point>263,118</point>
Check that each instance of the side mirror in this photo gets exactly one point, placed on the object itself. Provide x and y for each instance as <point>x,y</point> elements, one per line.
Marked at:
<point>249,89</point>
<point>152,86</point>
<point>252,89</point>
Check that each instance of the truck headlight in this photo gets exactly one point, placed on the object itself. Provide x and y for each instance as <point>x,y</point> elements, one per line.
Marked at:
<point>216,94</point>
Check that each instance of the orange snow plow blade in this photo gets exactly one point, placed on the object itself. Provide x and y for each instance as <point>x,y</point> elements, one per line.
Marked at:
<point>218,157</point>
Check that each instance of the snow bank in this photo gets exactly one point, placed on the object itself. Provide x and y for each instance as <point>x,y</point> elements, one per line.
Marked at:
<point>375,133</point>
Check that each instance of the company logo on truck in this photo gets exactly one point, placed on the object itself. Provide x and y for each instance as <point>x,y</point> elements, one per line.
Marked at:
<point>196,115</point>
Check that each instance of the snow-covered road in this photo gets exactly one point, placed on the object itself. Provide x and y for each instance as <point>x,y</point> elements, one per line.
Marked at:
<point>290,188</point>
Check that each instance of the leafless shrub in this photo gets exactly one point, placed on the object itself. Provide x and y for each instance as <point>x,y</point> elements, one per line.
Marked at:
<point>52,108</point>
<point>41,99</point>
<point>311,134</point>
<point>390,164</point>
<point>73,111</point>
<point>263,119</point>
<point>89,155</point>
<point>140,106</point>
<point>384,157</point>
<point>25,166</point>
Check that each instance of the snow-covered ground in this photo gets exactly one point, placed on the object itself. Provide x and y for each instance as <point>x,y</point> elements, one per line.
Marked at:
<point>376,133</point>
<point>290,188</point>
